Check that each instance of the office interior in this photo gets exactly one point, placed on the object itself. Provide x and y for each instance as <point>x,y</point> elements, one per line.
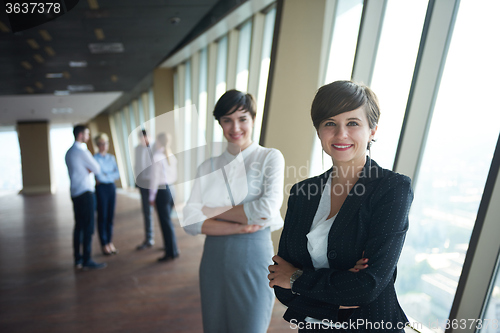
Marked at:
<point>432,63</point>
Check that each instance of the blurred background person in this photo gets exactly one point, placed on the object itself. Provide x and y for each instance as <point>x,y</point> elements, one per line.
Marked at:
<point>106,193</point>
<point>142,167</point>
<point>81,165</point>
<point>163,174</point>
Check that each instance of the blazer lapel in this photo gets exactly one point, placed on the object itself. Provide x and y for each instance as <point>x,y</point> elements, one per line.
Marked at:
<point>355,199</point>
<point>306,216</point>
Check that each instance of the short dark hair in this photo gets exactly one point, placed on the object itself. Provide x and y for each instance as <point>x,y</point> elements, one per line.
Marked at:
<point>234,100</point>
<point>344,96</point>
<point>80,128</point>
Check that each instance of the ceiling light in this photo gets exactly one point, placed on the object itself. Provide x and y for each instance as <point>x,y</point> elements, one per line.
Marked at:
<point>3,27</point>
<point>99,48</point>
<point>62,110</point>
<point>39,85</point>
<point>61,92</point>
<point>34,45</point>
<point>82,63</point>
<point>99,34</point>
<point>80,88</point>
<point>66,75</point>
<point>26,65</point>
<point>54,75</point>
<point>93,4</point>
<point>38,58</point>
<point>45,35</point>
<point>50,51</point>
<point>29,90</point>
<point>114,78</point>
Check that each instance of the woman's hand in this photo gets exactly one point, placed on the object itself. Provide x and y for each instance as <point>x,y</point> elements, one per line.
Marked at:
<point>280,273</point>
<point>360,264</point>
<point>248,228</point>
<point>213,227</point>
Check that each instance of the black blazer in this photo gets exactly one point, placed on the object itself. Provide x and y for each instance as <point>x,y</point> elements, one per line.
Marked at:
<point>373,219</point>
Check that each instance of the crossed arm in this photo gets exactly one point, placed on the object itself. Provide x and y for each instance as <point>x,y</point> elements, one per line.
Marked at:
<point>389,222</point>
<point>227,220</point>
<point>281,273</point>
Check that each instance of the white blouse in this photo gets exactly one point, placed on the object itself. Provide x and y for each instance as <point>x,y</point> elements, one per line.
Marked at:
<point>317,238</point>
<point>163,172</point>
<point>253,178</point>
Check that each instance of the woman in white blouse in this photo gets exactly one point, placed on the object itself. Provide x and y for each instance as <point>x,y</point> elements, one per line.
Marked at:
<point>236,202</point>
<point>164,173</point>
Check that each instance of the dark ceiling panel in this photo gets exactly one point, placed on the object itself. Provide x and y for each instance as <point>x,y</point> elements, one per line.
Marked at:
<point>144,27</point>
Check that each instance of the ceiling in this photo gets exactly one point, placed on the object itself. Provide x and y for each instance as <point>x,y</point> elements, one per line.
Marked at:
<point>147,31</point>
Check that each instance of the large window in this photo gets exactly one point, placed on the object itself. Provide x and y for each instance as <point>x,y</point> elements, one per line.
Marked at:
<point>123,133</point>
<point>265,61</point>
<point>186,126</point>
<point>220,83</point>
<point>491,316</point>
<point>457,156</point>
<point>10,164</point>
<point>141,111</point>
<point>202,99</point>
<point>61,139</point>
<point>393,72</point>
<point>152,112</point>
<point>245,39</point>
<point>340,61</point>
<point>343,42</point>
<point>252,62</point>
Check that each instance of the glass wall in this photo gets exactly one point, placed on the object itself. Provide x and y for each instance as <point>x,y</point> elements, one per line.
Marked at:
<point>61,139</point>
<point>244,44</point>
<point>393,72</point>
<point>151,112</point>
<point>10,164</point>
<point>491,317</point>
<point>220,83</point>
<point>455,163</point>
<point>202,98</point>
<point>187,123</point>
<point>243,62</point>
<point>265,62</point>
<point>345,30</point>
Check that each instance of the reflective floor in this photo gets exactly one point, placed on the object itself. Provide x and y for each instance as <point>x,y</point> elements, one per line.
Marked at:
<point>41,292</point>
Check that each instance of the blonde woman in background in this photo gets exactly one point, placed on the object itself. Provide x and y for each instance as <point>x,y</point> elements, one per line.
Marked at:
<point>106,193</point>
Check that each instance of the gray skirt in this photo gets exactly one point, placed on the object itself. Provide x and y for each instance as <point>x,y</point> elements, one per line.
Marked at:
<point>235,293</point>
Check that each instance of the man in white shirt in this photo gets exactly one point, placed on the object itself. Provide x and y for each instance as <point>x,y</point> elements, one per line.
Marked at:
<point>81,168</point>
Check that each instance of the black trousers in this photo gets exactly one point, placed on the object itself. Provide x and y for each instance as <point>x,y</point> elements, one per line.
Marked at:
<point>84,208</point>
<point>106,198</point>
<point>164,203</point>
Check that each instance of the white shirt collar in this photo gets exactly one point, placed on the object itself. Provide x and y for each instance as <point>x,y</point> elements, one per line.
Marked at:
<point>245,153</point>
<point>80,145</point>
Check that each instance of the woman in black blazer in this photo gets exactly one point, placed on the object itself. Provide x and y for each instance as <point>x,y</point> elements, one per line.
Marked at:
<point>354,210</point>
